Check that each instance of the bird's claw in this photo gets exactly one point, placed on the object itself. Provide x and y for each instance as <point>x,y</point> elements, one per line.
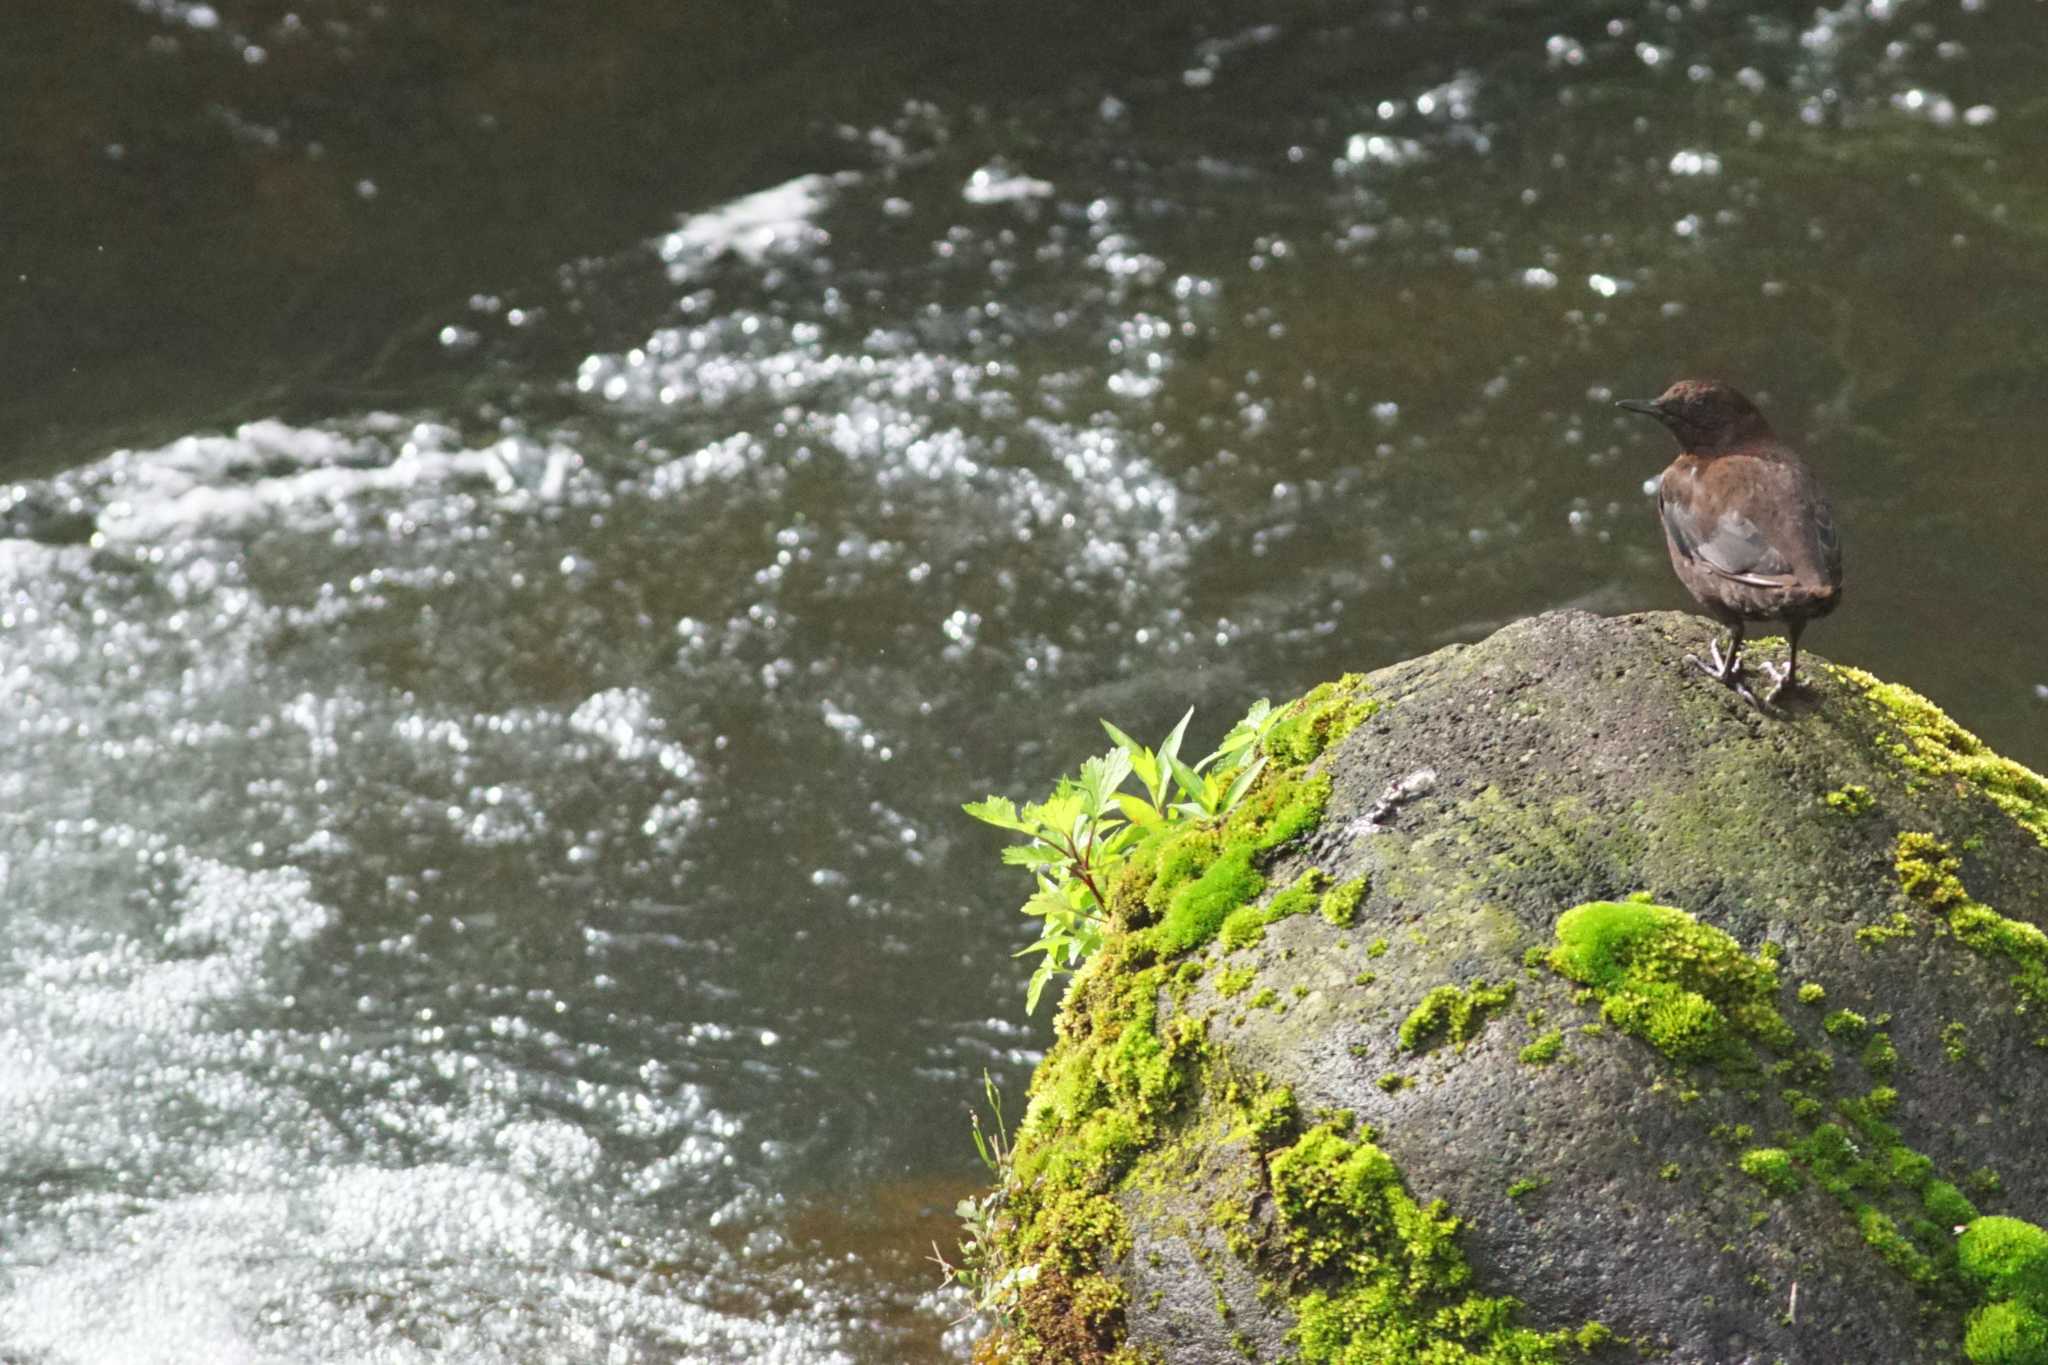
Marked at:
<point>1728,672</point>
<point>1782,678</point>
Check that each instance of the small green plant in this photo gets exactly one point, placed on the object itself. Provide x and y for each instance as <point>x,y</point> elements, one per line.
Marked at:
<point>993,1294</point>
<point>1772,1168</point>
<point>1545,1049</point>
<point>1076,840</point>
<point>1851,801</point>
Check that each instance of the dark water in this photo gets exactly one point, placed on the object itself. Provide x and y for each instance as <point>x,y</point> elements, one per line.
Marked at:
<point>532,518</point>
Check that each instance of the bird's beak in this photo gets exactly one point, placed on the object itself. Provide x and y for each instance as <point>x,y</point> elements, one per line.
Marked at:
<point>1646,406</point>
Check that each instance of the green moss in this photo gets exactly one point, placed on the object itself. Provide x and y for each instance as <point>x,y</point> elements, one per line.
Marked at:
<point>1246,925</point>
<point>1851,801</point>
<point>1877,935</point>
<point>1955,1040</point>
<point>1772,1168</point>
<point>1927,742</point>
<point>1684,987</point>
<point>1879,1056</point>
<point>1545,1049</point>
<point>1269,1114</point>
<point>1298,898</point>
<point>1242,928</point>
<point>1320,719</point>
<point>1116,1074</point>
<point>1453,1013</point>
<point>1231,981</point>
<point>1845,1022</point>
<point>1376,948</point>
<point>1946,1204</point>
<point>1199,907</point>
<point>1196,879</point>
<point>1812,993</point>
<point>1394,1082</point>
<point>2007,1258</point>
<point>1340,903</point>
<point>1390,1281</point>
<point>1527,1185</point>
<point>1894,1248</point>
<point>2007,1333</point>
<point>1927,871</point>
<point>1265,999</point>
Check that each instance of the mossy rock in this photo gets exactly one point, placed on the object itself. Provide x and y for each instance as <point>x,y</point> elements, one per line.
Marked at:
<point>1705,1172</point>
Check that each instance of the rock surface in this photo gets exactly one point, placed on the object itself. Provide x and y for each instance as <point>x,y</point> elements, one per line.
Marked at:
<point>1572,759</point>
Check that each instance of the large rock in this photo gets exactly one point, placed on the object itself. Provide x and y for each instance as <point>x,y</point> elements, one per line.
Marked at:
<point>1747,1132</point>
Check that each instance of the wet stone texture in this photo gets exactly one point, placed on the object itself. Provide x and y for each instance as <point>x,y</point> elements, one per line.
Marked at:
<point>1579,759</point>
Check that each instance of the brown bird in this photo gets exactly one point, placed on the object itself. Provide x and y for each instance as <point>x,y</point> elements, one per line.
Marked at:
<point>1750,531</point>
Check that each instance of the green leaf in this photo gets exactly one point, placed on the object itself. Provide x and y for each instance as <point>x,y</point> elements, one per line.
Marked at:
<point>1138,809</point>
<point>1243,783</point>
<point>1062,814</point>
<point>1033,854</point>
<point>1246,732</point>
<point>1100,777</point>
<point>999,811</point>
<point>1050,900</point>
<point>1038,979</point>
<point>1119,736</point>
<point>1144,762</point>
<point>1125,836</point>
<point>1169,748</point>
<point>1188,779</point>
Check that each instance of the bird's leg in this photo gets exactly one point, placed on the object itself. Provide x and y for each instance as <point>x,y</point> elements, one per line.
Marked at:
<point>1726,670</point>
<point>1782,678</point>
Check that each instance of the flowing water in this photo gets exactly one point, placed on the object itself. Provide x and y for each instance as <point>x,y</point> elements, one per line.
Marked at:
<point>515,566</point>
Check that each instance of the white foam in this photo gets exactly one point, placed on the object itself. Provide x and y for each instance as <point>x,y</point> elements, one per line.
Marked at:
<point>750,227</point>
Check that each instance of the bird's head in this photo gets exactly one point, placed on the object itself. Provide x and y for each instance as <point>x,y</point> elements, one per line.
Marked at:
<point>1704,414</point>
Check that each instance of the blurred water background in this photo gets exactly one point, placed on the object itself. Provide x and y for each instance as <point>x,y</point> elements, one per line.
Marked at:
<point>525,521</point>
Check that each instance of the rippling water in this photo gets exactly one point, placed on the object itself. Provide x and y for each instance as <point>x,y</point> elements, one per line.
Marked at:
<point>482,850</point>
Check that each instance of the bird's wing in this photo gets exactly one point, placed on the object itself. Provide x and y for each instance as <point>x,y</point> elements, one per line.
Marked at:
<point>1732,546</point>
<point>1823,523</point>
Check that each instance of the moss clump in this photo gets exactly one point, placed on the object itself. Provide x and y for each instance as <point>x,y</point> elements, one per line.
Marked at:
<point>1927,871</point>
<point>1812,993</point>
<point>1927,742</point>
<point>1845,1022</point>
<point>1231,981</point>
<point>1453,1013</point>
<point>1851,801</point>
<point>1298,898</point>
<point>1545,1049</point>
<point>1319,720</point>
<point>1197,908</point>
<point>1246,925</point>
<point>1772,1168</point>
<point>1947,1205</point>
<point>1684,987</point>
<point>1394,1082</point>
<point>2007,1333</point>
<point>1117,1073</point>
<point>1340,903</point>
<point>1388,1282</point>
<point>1196,878</point>
<point>2007,1258</point>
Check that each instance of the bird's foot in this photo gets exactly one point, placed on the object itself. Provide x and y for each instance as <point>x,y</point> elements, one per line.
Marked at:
<point>1782,680</point>
<point>1726,671</point>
